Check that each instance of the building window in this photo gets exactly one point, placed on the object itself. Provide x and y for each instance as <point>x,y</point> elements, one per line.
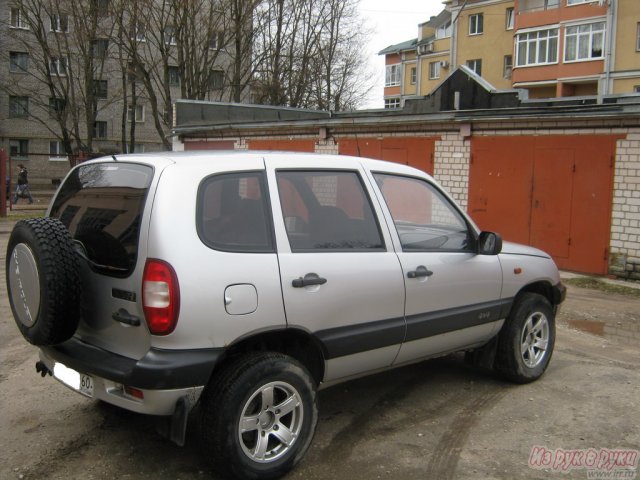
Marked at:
<point>174,76</point>
<point>537,48</point>
<point>18,19</point>
<point>638,38</point>
<point>578,2</point>
<point>136,114</point>
<point>18,148</point>
<point>510,20</point>
<point>392,102</point>
<point>170,35</point>
<point>58,66</point>
<point>100,130</point>
<point>100,89</point>
<point>434,70</point>
<point>216,79</point>
<point>584,42</point>
<point>475,65</point>
<point>392,75</point>
<point>59,23</point>
<point>100,7</point>
<point>18,106</point>
<point>476,24</point>
<point>18,62</point>
<point>636,89</point>
<point>99,47</point>
<point>444,31</point>
<point>137,148</point>
<point>507,66</point>
<point>56,151</point>
<point>414,75</point>
<point>137,32</point>
<point>216,41</point>
<point>56,107</point>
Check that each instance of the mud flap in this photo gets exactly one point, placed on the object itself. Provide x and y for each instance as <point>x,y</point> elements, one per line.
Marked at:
<point>175,427</point>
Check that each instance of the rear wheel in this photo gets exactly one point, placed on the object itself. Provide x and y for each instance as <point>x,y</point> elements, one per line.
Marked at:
<point>258,416</point>
<point>526,341</point>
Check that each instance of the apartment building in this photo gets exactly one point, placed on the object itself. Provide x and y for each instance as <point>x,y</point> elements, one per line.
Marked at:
<point>551,48</point>
<point>87,77</point>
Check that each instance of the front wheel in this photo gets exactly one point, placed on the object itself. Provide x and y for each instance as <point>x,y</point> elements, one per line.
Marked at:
<point>526,341</point>
<point>258,416</point>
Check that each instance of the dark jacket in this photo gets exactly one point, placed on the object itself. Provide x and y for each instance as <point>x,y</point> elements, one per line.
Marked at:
<point>22,177</point>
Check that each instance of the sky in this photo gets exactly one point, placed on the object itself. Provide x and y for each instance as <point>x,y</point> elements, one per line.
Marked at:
<point>392,21</point>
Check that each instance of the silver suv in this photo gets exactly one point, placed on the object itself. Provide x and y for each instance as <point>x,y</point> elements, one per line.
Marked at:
<point>231,286</point>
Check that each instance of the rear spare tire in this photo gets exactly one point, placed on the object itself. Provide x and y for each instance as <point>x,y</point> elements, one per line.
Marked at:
<point>43,280</point>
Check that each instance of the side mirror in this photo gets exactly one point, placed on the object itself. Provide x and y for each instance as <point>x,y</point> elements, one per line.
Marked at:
<point>489,243</point>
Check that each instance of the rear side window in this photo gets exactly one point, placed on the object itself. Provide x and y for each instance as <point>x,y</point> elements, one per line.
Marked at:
<point>233,213</point>
<point>101,205</point>
<point>327,211</point>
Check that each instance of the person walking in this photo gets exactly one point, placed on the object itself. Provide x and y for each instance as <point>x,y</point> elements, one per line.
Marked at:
<point>22,190</point>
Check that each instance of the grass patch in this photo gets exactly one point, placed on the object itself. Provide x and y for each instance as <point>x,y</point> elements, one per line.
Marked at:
<point>597,284</point>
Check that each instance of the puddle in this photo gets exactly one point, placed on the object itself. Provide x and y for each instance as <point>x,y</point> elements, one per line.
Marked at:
<point>590,326</point>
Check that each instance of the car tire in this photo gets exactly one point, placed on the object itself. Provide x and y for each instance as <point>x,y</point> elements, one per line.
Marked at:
<point>43,281</point>
<point>526,341</point>
<point>258,416</point>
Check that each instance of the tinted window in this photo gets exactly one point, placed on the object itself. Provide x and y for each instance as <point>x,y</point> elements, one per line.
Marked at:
<point>101,205</point>
<point>327,211</point>
<point>233,213</point>
<point>424,218</point>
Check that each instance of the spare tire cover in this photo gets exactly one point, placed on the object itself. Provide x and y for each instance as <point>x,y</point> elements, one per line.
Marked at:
<point>43,280</point>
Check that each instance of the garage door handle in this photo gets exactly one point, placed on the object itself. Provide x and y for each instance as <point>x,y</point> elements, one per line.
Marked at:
<point>123,316</point>
<point>421,271</point>
<point>309,279</point>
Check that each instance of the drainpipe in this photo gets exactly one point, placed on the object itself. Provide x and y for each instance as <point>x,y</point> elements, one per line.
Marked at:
<point>610,41</point>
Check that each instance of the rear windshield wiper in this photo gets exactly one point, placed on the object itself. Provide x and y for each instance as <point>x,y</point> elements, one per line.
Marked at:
<point>81,250</point>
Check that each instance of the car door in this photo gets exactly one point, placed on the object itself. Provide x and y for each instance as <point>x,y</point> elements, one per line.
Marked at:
<point>341,280</point>
<point>452,293</point>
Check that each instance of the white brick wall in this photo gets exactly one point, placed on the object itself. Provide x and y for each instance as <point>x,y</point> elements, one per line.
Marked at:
<point>451,166</point>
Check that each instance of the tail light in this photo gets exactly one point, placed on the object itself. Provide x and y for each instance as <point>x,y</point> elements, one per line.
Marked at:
<point>160,297</point>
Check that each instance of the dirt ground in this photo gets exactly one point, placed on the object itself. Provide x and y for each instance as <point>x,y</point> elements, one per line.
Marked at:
<point>438,419</point>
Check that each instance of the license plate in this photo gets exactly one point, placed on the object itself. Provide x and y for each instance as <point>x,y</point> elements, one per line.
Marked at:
<point>78,381</point>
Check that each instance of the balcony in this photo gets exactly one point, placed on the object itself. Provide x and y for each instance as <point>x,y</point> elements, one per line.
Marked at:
<point>527,6</point>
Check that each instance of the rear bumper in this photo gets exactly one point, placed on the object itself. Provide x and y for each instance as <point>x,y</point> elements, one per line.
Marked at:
<point>163,376</point>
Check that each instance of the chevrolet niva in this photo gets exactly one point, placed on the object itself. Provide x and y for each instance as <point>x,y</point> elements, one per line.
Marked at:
<point>228,287</point>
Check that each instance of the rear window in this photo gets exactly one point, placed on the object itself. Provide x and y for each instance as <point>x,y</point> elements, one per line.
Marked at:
<point>101,204</point>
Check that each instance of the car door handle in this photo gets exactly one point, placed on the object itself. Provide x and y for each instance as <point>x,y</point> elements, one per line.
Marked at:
<point>421,271</point>
<point>125,317</point>
<point>309,279</point>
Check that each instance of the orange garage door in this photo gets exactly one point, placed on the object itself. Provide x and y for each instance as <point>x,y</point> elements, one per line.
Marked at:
<point>552,192</point>
<point>413,151</point>
<point>283,145</point>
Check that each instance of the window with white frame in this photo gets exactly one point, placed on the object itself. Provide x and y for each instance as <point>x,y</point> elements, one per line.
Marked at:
<point>507,67</point>
<point>18,62</point>
<point>584,42</point>
<point>537,48</point>
<point>475,65</point>
<point>137,148</point>
<point>392,102</point>
<point>59,23</point>
<point>170,35</point>
<point>434,70</point>
<point>510,19</point>
<point>137,32</point>
<point>392,75</point>
<point>638,38</point>
<point>56,151</point>
<point>18,148</point>
<point>578,2</point>
<point>444,30</point>
<point>135,113</point>
<point>18,18</point>
<point>414,75</point>
<point>476,24</point>
<point>58,66</point>
<point>636,89</point>
<point>216,40</point>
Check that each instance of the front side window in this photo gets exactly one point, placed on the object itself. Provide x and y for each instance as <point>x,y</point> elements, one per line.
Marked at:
<point>233,213</point>
<point>476,24</point>
<point>584,42</point>
<point>18,62</point>
<point>537,48</point>
<point>392,75</point>
<point>327,211</point>
<point>424,218</point>
<point>434,70</point>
